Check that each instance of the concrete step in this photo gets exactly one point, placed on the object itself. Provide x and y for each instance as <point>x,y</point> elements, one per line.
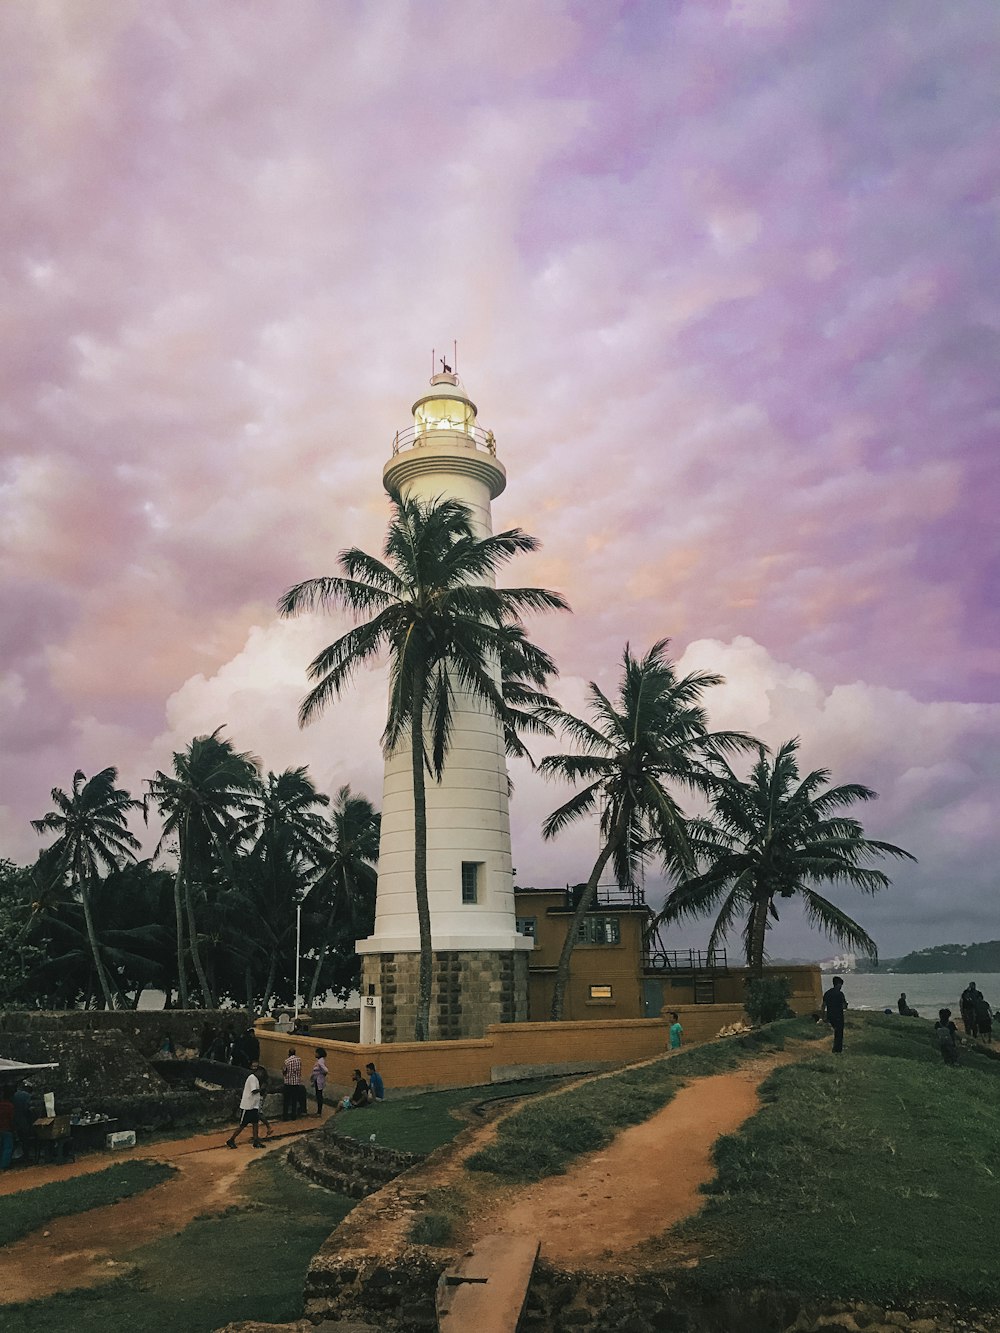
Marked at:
<point>487,1288</point>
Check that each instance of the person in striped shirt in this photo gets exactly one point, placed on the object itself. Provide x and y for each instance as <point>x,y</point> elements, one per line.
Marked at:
<point>293,1091</point>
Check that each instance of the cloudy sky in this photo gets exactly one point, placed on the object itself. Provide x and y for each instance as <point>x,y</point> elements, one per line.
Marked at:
<point>724,281</point>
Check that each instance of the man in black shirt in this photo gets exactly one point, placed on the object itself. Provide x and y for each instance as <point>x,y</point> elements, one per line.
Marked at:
<point>834,1004</point>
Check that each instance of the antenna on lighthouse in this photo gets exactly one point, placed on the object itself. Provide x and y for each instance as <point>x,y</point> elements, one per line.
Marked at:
<point>433,362</point>
<point>454,358</point>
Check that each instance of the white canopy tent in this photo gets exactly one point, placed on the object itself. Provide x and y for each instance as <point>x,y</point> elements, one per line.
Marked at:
<point>17,1068</point>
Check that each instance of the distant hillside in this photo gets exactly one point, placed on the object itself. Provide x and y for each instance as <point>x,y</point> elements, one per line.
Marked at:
<point>971,958</point>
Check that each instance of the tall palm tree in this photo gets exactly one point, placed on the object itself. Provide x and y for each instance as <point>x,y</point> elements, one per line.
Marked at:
<point>290,846</point>
<point>349,876</point>
<point>525,671</point>
<point>92,833</point>
<point>203,802</point>
<point>777,835</point>
<point>431,604</point>
<point>653,736</point>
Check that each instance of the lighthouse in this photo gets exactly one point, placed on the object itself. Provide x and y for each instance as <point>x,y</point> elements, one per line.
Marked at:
<point>480,959</point>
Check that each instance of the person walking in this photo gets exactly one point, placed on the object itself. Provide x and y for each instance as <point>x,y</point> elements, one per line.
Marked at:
<point>250,1107</point>
<point>834,1007</point>
<point>292,1087</point>
<point>676,1031</point>
<point>967,1008</point>
<point>318,1078</point>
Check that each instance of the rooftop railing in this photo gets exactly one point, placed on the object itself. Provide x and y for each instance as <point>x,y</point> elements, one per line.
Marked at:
<point>684,960</point>
<point>606,895</point>
<point>415,437</point>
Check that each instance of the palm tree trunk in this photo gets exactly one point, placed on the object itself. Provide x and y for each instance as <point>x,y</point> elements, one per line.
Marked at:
<point>182,990</point>
<point>199,967</point>
<point>320,955</point>
<point>102,978</point>
<point>758,931</point>
<point>327,931</point>
<point>573,930</point>
<point>423,1024</point>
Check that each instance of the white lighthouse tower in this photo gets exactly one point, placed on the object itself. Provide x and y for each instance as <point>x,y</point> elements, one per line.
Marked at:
<point>480,961</point>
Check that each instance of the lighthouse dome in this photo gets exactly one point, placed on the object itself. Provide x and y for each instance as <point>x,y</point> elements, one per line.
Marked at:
<point>446,406</point>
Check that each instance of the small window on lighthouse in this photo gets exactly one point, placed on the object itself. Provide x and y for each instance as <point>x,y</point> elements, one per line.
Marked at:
<point>470,881</point>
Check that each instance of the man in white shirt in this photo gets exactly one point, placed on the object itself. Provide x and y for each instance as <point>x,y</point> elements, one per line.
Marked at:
<point>250,1106</point>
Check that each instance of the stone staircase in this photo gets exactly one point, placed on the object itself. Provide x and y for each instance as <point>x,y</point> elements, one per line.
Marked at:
<point>354,1167</point>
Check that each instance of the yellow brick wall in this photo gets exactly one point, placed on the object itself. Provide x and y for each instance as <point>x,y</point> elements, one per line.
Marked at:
<point>467,1063</point>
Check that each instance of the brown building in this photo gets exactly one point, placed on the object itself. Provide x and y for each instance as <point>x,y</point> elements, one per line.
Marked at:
<point>617,970</point>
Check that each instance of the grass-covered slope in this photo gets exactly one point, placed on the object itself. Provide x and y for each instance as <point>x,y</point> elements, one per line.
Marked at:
<point>546,1135</point>
<point>25,1212</point>
<point>248,1263</point>
<point>873,1175</point>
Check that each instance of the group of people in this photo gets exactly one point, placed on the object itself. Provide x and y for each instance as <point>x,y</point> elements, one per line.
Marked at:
<point>368,1091</point>
<point>976,1014</point>
<point>228,1047</point>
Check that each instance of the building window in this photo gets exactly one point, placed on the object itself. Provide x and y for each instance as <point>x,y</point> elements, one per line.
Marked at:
<point>470,881</point>
<point>600,930</point>
<point>600,993</point>
<point>527,925</point>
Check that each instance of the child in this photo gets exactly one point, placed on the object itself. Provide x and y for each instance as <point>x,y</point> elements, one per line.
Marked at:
<point>676,1031</point>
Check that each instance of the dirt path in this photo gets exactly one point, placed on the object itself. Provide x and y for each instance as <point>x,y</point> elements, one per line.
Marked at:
<point>644,1182</point>
<point>88,1248</point>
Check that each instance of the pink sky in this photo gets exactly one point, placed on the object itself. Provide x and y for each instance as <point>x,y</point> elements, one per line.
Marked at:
<point>724,279</point>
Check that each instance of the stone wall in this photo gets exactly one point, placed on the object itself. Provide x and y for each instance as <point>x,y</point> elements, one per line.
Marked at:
<point>143,1028</point>
<point>471,990</point>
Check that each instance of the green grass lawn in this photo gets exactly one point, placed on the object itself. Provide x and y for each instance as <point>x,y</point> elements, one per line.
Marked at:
<point>30,1209</point>
<point>873,1175</point>
<point>250,1263</point>
<point>422,1121</point>
<point>545,1136</point>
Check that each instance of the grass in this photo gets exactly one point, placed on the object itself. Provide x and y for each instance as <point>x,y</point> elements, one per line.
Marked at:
<point>544,1137</point>
<point>422,1121</point>
<point>30,1209</point>
<point>249,1263</point>
<point>868,1175</point>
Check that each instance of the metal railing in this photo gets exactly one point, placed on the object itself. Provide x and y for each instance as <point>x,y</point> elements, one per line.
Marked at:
<point>684,960</point>
<point>415,438</point>
<point>606,895</point>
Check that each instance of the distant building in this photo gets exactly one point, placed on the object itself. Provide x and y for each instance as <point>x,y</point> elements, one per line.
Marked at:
<point>618,969</point>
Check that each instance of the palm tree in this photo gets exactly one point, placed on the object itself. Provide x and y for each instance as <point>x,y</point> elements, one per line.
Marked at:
<point>525,671</point>
<point>654,734</point>
<point>433,607</point>
<point>203,803</point>
<point>349,876</point>
<point>92,833</point>
<point>291,843</point>
<point>775,836</point>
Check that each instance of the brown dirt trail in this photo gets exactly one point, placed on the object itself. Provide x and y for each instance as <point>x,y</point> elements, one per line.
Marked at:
<point>86,1248</point>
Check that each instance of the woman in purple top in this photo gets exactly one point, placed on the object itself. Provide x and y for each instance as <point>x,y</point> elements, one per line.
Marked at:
<point>318,1077</point>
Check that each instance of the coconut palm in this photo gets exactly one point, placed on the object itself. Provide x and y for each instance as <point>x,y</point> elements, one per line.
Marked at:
<point>431,604</point>
<point>778,835</point>
<point>92,833</point>
<point>525,671</point>
<point>204,803</point>
<point>348,878</point>
<point>653,737</point>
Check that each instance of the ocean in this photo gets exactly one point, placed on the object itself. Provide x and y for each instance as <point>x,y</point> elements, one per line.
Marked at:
<point>927,992</point>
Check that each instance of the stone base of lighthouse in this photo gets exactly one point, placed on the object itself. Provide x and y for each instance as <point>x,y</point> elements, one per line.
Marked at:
<point>470,989</point>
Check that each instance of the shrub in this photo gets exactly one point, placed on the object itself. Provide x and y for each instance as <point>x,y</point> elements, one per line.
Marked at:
<point>767,999</point>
